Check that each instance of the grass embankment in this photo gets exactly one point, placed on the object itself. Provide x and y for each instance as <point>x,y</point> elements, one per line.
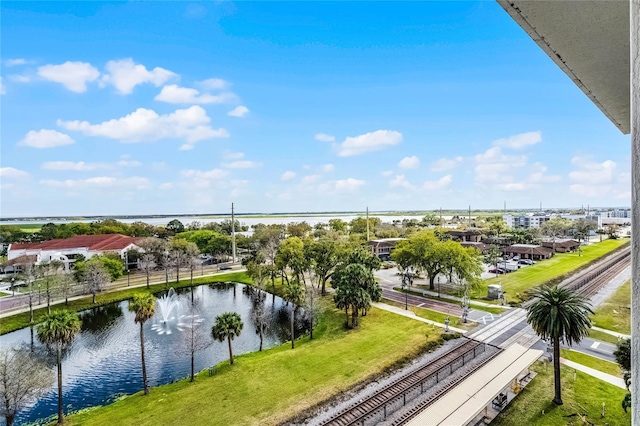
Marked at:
<point>496,310</point>
<point>584,396</point>
<point>18,321</point>
<point>592,362</point>
<point>270,387</point>
<point>615,313</point>
<point>455,321</point>
<point>550,271</point>
<point>602,336</point>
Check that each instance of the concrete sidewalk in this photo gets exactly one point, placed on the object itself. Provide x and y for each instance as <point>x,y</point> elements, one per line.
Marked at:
<point>616,381</point>
<point>613,333</point>
<point>412,315</point>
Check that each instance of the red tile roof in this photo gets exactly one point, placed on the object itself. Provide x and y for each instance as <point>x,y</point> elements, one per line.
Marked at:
<point>91,242</point>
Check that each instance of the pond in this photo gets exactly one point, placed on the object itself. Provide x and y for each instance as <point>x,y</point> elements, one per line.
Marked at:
<point>104,360</point>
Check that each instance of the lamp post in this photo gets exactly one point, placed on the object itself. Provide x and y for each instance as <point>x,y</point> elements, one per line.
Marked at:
<point>406,294</point>
<point>128,279</point>
<point>438,286</point>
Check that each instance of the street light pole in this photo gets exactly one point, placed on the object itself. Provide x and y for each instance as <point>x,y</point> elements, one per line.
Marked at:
<point>438,286</point>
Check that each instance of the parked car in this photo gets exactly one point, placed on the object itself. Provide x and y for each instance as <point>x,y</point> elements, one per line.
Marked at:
<point>225,267</point>
<point>515,258</point>
<point>497,271</point>
<point>526,262</point>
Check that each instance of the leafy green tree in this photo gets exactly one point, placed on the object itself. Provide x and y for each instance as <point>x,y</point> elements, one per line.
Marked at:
<point>559,315</point>
<point>178,251</point>
<point>623,358</point>
<point>427,252</point>
<point>299,229</point>
<point>291,255</point>
<point>351,284</point>
<point>324,256</point>
<point>144,306</point>
<point>554,228</point>
<point>582,228</point>
<point>338,225</point>
<point>430,219</point>
<point>200,237</point>
<point>494,255</point>
<point>228,325</point>
<point>57,331</point>
<point>174,227</point>
<point>294,293</point>
<point>359,225</point>
<point>23,380</point>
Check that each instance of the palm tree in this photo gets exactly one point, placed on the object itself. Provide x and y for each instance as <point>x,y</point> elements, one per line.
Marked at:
<point>561,315</point>
<point>144,305</point>
<point>227,326</point>
<point>57,331</point>
<point>294,293</point>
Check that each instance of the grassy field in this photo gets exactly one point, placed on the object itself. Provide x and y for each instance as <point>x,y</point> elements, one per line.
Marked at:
<point>602,336</point>
<point>583,396</point>
<point>433,315</point>
<point>266,388</point>
<point>592,362</point>
<point>550,271</point>
<point>492,310</point>
<point>615,313</point>
<point>21,320</point>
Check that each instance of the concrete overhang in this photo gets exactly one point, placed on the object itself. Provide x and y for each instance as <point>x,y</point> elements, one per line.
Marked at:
<point>589,41</point>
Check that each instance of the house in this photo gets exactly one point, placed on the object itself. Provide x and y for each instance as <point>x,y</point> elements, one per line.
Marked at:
<point>481,247</point>
<point>68,249</point>
<point>562,245</point>
<point>498,241</point>
<point>528,251</point>
<point>468,235</point>
<point>383,247</point>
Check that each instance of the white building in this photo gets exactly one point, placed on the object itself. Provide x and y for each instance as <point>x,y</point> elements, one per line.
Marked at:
<point>531,220</point>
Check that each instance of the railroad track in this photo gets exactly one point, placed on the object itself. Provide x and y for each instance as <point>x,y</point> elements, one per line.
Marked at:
<point>395,394</point>
<point>592,282</point>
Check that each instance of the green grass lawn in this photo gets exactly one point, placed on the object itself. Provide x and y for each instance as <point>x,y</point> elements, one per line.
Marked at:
<point>21,320</point>
<point>615,313</point>
<point>266,388</point>
<point>585,396</point>
<point>592,362</point>
<point>433,315</point>
<point>31,227</point>
<point>492,310</point>
<point>550,271</point>
<point>602,336</point>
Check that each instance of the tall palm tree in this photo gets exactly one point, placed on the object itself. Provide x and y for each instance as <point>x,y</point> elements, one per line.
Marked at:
<point>144,305</point>
<point>227,326</point>
<point>58,331</point>
<point>561,315</point>
<point>294,293</point>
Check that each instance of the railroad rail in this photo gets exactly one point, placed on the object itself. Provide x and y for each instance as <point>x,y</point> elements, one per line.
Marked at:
<point>396,394</point>
<point>592,282</point>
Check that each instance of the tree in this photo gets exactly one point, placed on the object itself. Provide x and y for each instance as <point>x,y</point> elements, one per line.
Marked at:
<point>496,226</point>
<point>178,253</point>
<point>352,282</point>
<point>57,331</point>
<point>294,293</point>
<point>195,337</point>
<point>430,219</point>
<point>23,380</point>
<point>338,225</point>
<point>623,358</point>
<point>612,231</point>
<point>144,306</point>
<point>427,252</point>
<point>66,286</point>
<point>96,277</point>
<point>312,308</point>
<point>174,227</point>
<point>299,229</point>
<point>324,256</point>
<point>259,316</point>
<point>583,227</point>
<point>493,256</point>
<point>291,255</point>
<point>554,228</point>
<point>147,263</point>
<point>227,326</point>
<point>560,315</point>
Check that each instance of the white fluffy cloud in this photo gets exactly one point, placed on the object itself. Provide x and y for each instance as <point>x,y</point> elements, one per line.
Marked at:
<point>206,178</point>
<point>228,155</point>
<point>444,164</point>
<point>400,181</point>
<point>46,139</point>
<point>412,162</point>
<point>175,94</point>
<point>18,78</point>
<point>495,167</point>
<point>327,168</point>
<point>72,75</point>
<point>145,125</point>
<point>14,62</point>
<point>538,175</point>
<point>105,182</point>
<point>387,173</point>
<point>368,142</point>
<point>125,75</point>
<point>79,166</point>
<point>590,172</point>
<point>3,90</point>
<point>239,111</point>
<point>12,173</point>
<point>242,164</point>
<point>322,137</point>
<point>441,183</point>
<point>309,179</point>
<point>288,175</point>
<point>341,186</point>
<point>213,84</point>
<point>519,141</point>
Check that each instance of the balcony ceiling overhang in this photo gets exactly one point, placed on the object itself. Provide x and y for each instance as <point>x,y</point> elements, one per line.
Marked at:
<point>589,41</point>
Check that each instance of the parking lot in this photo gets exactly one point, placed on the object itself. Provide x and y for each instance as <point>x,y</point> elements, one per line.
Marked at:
<point>503,265</point>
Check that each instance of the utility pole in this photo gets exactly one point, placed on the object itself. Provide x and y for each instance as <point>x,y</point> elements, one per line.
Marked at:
<point>367,223</point>
<point>440,216</point>
<point>505,207</point>
<point>469,216</point>
<point>233,234</point>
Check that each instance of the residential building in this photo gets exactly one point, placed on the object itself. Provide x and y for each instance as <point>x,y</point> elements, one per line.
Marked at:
<point>383,247</point>
<point>467,235</point>
<point>528,251</point>
<point>561,245</point>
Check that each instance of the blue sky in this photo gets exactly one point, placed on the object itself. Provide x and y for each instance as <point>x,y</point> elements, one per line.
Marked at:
<point>177,107</point>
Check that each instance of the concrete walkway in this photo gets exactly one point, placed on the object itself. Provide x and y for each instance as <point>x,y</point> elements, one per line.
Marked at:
<point>607,291</point>
<point>412,315</point>
<point>613,333</point>
<point>616,381</point>
<point>458,299</point>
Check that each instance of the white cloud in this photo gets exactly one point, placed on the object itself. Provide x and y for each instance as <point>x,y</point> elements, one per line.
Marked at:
<point>125,75</point>
<point>325,138</point>
<point>412,162</point>
<point>387,173</point>
<point>145,125</point>
<point>519,141</point>
<point>46,139</point>
<point>105,182</point>
<point>243,164</point>
<point>288,175</point>
<point>444,164</point>
<point>228,155</point>
<point>129,163</point>
<point>213,84</point>
<point>327,168</point>
<point>18,78</point>
<point>537,175</point>
<point>348,185</point>
<point>204,179</point>
<point>494,166</point>
<point>239,111</point>
<point>175,94</point>
<point>14,62</point>
<point>441,183</point>
<point>368,142</point>
<point>72,75</point>
<point>309,179</point>
<point>12,173</point>
<point>590,172</point>
<point>79,166</point>
<point>513,186</point>
<point>2,88</point>
<point>166,185</point>
<point>400,181</point>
